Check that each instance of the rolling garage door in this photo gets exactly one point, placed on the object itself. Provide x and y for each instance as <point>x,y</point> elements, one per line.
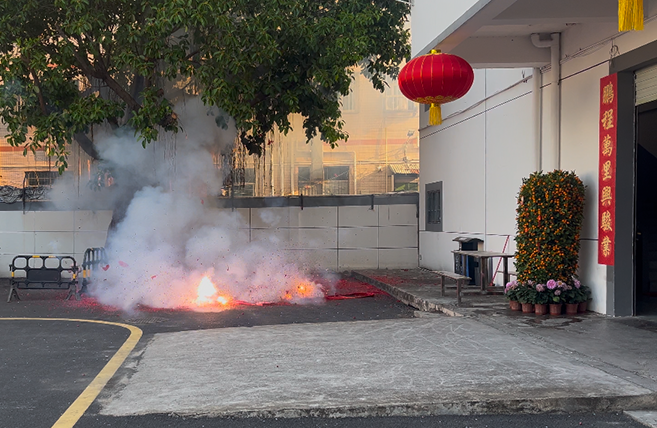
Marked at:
<point>646,85</point>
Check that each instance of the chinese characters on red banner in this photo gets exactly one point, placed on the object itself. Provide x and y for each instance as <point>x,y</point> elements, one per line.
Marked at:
<point>607,170</point>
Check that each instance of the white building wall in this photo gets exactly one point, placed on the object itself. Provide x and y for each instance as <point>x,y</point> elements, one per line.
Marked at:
<point>481,156</point>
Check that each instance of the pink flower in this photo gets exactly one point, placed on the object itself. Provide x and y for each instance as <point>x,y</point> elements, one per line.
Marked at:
<point>552,284</point>
<point>577,283</point>
<point>540,288</point>
<point>557,292</point>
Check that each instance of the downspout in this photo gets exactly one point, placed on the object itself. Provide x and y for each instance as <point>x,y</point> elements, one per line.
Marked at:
<point>537,79</point>
<point>553,158</point>
<point>555,54</point>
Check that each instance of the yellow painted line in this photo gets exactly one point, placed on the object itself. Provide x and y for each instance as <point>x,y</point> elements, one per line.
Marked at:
<point>82,403</point>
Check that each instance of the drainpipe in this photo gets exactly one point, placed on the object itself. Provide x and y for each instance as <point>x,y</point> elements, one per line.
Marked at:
<point>536,90</point>
<point>551,157</point>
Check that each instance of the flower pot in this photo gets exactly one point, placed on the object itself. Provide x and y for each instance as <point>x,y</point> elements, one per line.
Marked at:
<point>515,306</point>
<point>571,308</point>
<point>583,307</point>
<point>541,309</point>
<point>527,308</point>
<point>555,308</point>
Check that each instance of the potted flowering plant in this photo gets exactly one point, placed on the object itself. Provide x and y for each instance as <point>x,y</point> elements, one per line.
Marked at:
<point>511,293</point>
<point>556,298</point>
<point>582,295</point>
<point>541,299</point>
<point>526,296</point>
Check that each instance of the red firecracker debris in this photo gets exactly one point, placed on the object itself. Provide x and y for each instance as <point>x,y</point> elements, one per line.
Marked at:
<point>350,296</point>
<point>123,264</point>
<point>105,267</point>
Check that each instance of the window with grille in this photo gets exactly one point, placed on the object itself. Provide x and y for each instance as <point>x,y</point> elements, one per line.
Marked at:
<point>244,185</point>
<point>336,180</point>
<point>40,178</point>
<point>434,207</point>
<point>349,102</point>
<point>395,100</point>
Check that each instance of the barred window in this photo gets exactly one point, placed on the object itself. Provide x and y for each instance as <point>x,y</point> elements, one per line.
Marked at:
<point>434,207</point>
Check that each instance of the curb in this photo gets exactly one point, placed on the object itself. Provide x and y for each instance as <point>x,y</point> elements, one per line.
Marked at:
<point>409,299</point>
<point>488,407</point>
<point>647,418</point>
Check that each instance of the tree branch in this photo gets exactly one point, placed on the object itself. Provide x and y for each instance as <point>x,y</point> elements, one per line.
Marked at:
<point>87,145</point>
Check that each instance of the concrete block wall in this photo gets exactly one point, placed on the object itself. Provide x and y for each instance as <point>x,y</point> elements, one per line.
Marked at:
<point>342,237</point>
<point>339,238</point>
<point>65,233</point>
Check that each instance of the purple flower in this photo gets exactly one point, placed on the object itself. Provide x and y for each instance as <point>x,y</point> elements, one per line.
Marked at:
<point>540,288</point>
<point>552,284</point>
<point>557,292</point>
<point>577,283</point>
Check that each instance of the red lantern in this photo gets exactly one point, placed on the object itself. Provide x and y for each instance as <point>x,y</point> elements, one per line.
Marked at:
<point>435,79</point>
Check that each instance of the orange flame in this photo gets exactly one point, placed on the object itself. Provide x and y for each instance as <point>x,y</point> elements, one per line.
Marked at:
<point>206,290</point>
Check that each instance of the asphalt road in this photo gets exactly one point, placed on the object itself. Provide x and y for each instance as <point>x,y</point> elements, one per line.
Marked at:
<point>47,364</point>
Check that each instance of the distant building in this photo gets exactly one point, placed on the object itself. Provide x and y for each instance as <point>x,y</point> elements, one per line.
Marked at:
<point>380,156</point>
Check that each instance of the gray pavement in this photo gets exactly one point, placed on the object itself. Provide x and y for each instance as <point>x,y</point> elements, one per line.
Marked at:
<point>440,365</point>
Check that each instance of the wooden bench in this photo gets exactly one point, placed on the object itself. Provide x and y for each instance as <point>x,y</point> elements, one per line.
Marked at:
<point>461,281</point>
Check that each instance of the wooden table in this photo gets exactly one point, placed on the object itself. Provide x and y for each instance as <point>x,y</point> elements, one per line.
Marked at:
<point>483,257</point>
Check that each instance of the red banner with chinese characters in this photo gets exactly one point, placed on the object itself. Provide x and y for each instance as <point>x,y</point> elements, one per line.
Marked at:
<point>607,172</point>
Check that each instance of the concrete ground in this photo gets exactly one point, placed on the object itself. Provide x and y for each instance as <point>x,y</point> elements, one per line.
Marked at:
<point>354,358</point>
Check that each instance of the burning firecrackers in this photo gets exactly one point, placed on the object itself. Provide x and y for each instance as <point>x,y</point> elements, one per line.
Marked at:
<point>208,294</point>
<point>209,297</point>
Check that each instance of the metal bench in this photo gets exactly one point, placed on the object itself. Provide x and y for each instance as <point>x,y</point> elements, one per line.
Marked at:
<point>461,281</point>
<point>43,273</point>
<point>94,258</point>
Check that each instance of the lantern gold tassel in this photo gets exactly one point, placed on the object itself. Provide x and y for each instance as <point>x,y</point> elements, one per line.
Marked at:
<point>435,115</point>
<point>630,15</point>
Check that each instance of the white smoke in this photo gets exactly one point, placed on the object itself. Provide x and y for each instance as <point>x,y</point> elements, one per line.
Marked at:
<point>170,237</point>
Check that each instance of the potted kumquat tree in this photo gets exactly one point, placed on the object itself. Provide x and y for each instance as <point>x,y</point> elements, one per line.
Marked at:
<point>550,215</point>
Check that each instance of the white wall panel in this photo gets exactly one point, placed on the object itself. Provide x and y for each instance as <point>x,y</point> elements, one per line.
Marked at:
<point>397,215</point>
<point>357,259</point>
<point>405,258</point>
<point>358,237</point>
<point>359,216</point>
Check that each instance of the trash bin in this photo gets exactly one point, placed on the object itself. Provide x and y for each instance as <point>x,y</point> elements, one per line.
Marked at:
<point>470,267</point>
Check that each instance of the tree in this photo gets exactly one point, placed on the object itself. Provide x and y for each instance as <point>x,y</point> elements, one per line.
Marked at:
<point>67,65</point>
<point>550,216</point>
